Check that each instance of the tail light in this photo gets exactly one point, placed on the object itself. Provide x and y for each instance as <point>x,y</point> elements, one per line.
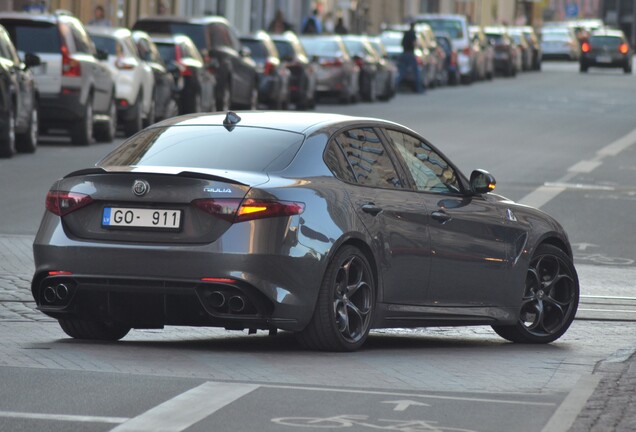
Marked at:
<point>453,59</point>
<point>331,63</point>
<point>236,210</point>
<point>623,48</point>
<point>586,47</point>
<point>184,70</point>
<point>62,203</point>
<point>467,51</point>
<point>269,68</point>
<point>70,66</point>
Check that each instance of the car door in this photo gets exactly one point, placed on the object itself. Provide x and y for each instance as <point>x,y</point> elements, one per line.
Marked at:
<point>20,79</point>
<point>393,216</point>
<point>470,244</point>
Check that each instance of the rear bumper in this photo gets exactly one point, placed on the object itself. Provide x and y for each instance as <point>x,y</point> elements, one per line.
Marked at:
<point>614,62</point>
<point>65,106</point>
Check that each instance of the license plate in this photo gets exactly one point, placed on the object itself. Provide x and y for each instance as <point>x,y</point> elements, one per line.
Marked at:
<point>604,59</point>
<point>141,218</point>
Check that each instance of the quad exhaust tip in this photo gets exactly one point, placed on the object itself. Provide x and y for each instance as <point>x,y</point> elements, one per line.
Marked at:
<point>56,293</point>
<point>236,304</point>
<point>217,299</point>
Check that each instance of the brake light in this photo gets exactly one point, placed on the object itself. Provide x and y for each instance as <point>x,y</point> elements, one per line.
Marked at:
<point>331,63</point>
<point>184,70</point>
<point>70,66</point>
<point>218,280</point>
<point>269,68</point>
<point>62,203</point>
<point>623,48</point>
<point>359,62</point>
<point>236,210</point>
<point>60,273</point>
<point>586,47</point>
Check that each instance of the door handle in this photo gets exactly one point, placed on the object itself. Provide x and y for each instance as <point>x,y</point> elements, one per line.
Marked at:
<point>371,208</point>
<point>441,216</point>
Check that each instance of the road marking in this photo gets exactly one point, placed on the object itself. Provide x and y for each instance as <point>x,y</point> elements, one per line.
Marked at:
<point>186,409</point>
<point>547,192</point>
<point>410,395</point>
<point>63,417</point>
<point>564,416</point>
<point>579,186</point>
<point>402,405</point>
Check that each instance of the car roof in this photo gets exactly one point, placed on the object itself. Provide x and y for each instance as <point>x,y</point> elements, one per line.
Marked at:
<point>114,32</point>
<point>441,16</point>
<point>608,32</point>
<point>298,122</point>
<point>166,38</point>
<point>27,16</point>
<point>183,19</point>
<point>287,36</point>
<point>495,29</point>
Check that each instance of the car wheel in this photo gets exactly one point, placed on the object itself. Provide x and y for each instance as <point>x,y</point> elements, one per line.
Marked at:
<point>253,104</point>
<point>372,92</point>
<point>28,142</point>
<point>152,112</point>
<point>105,132</point>
<point>550,299</point>
<point>82,130</point>
<point>135,124</point>
<point>344,309</point>
<point>7,140</point>
<point>583,68</point>
<point>96,330</point>
<point>628,68</point>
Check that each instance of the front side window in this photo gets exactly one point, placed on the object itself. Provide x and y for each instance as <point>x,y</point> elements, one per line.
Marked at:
<point>430,172</point>
<point>370,162</point>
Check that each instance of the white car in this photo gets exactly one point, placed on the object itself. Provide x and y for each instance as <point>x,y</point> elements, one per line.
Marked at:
<point>134,78</point>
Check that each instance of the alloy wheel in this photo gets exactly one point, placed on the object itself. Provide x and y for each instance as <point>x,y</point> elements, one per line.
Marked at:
<point>353,299</point>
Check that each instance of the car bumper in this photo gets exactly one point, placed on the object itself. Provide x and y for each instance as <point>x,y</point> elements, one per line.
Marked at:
<point>65,106</point>
<point>610,61</point>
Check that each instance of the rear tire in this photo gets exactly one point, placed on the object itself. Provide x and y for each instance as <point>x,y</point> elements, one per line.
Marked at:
<point>28,142</point>
<point>93,330</point>
<point>151,116</point>
<point>82,130</point>
<point>627,69</point>
<point>134,125</point>
<point>583,68</point>
<point>105,132</point>
<point>7,140</point>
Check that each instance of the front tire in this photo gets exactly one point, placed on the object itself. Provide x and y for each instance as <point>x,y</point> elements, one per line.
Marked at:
<point>7,140</point>
<point>82,130</point>
<point>550,299</point>
<point>28,142</point>
<point>344,309</point>
<point>93,330</point>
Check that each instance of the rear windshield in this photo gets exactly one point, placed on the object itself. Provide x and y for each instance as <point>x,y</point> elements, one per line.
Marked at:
<point>167,51</point>
<point>496,37</point>
<point>105,44</point>
<point>285,49</point>
<point>257,48</point>
<point>453,27</point>
<point>606,41</point>
<point>33,37</point>
<point>212,147</point>
<point>324,47</point>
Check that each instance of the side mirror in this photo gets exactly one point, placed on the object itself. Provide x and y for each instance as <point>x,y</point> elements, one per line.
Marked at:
<point>482,182</point>
<point>31,60</point>
<point>101,55</point>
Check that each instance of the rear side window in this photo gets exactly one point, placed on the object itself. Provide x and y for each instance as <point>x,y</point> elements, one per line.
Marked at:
<point>33,37</point>
<point>106,44</point>
<point>606,41</point>
<point>166,51</point>
<point>213,147</point>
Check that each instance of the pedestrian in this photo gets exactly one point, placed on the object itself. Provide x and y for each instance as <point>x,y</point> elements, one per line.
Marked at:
<point>99,18</point>
<point>340,27</point>
<point>328,25</point>
<point>312,24</point>
<point>278,25</point>
<point>408,63</point>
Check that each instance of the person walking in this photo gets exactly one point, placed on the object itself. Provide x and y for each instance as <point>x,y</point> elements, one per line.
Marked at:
<point>340,27</point>
<point>312,24</point>
<point>408,62</point>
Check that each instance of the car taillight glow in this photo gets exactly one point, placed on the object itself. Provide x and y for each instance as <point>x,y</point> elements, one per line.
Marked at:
<point>70,67</point>
<point>269,68</point>
<point>60,273</point>
<point>218,280</point>
<point>331,63</point>
<point>623,48</point>
<point>62,203</point>
<point>184,70</point>
<point>467,51</point>
<point>236,210</point>
<point>586,47</point>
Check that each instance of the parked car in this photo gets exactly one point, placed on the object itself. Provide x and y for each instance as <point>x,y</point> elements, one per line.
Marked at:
<point>533,41</point>
<point>437,53</point>
<point>220,48</point>
<point>507,59</point>
<point>560,42</point>
<point>18,100</point>
<point>302,81</point>
<point>388,89</point>
<point>457,27</point>
<point>166,105</point>
<point>337,73</point>
<point>452,69</point>
<point>273,75</point>
<point>525,50</point>
<point>318,224</point>
<point>134,79</point>
<point>392,40</point>
<point>607,48</point>
<point>197,90</point>
<point>76,91</point>
<point>484,53</point>
<point>371,78</point>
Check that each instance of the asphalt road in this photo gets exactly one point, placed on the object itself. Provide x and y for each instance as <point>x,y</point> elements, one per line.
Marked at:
<point>552,139</point>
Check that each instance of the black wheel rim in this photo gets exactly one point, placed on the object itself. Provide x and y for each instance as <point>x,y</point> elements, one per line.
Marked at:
<point>353,299</point>
<point>550,296</point>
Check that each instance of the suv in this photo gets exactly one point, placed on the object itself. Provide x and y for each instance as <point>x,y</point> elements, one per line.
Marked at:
<point>219,45</point>
<point>76,91</point>
<point>457,27</point>
<point>18,100</point>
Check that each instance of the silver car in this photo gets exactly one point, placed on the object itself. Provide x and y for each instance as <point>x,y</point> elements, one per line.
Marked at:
<point>560,42</point>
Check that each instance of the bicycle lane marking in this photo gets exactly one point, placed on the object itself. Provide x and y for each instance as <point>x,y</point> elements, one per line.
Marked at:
<point>548,191</point>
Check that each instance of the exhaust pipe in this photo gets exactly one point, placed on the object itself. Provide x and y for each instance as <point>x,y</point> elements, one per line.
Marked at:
<point>61,291</point>
<point>236,304</point>
<point>217,299</point>
<point>49,294</point>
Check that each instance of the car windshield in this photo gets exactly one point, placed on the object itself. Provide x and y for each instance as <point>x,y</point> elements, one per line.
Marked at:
<point>105,44</point>
<point>392,39</point>
<point>556,35</point>
<point>285,49</point>
<point>496,37</point>
<point>211,147</point>
<point>33,37</point>
<point>605,41</point>
<point>355,47</point>
<point>321,47</point>
<point>257,48</point>
<point>452,27</point>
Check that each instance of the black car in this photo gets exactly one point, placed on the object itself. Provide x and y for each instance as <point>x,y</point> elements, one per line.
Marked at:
<point>302,81</point>
<point>320,224</point>
<point>165,86</point>
<point>220,48</point>
<point>452,69</point>
<point>506,51</point>
<point>196,94</point>
<point>273,76</point>
<point>606,48</point>
<point>18,100</point>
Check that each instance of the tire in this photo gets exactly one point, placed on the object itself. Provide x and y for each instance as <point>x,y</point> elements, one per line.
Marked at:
<point>627,69</point>
<point>82,130</point>
<point>105,132</point>
<point>371,93</point>
<point>253,102</point>
<point>28,141</point>
<point>134,125</point>
<point>550,299</point>
<point>151,116</point>
<point>94,330</point>
<point>7,140</point>
<point>345,305</point>
<point>583,68</point>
